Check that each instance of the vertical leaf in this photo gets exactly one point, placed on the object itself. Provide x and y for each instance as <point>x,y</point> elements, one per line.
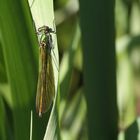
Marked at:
<point>98,34</point>
<point>19,54</point>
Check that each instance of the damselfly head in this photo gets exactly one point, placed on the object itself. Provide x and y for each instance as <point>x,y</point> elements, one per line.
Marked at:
<point>45,29</point>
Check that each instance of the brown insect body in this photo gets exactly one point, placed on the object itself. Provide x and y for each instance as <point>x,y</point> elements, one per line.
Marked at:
<point>45,87</point>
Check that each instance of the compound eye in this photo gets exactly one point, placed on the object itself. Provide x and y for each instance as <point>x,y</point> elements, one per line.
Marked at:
<point>39,29</point>
<point>46,29</point>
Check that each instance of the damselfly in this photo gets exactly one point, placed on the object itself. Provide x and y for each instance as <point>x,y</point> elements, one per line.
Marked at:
<point>45,87</point>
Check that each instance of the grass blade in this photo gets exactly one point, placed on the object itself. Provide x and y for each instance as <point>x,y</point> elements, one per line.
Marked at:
<point>18,44</point>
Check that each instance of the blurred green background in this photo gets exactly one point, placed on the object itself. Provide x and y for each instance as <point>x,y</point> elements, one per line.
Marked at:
<point>99,76</point>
